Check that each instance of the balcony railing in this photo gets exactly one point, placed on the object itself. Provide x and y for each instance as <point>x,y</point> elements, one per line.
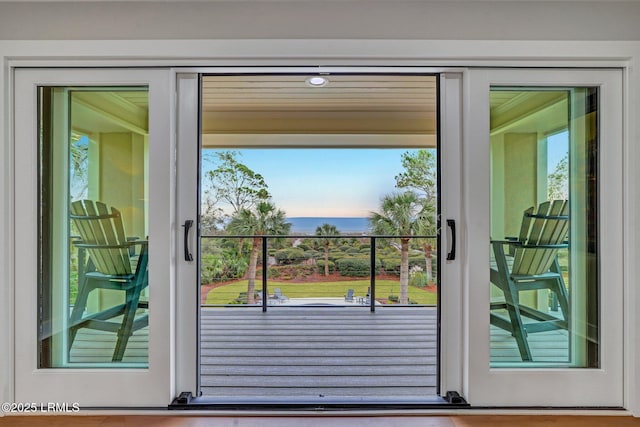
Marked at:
<point>351,270</point>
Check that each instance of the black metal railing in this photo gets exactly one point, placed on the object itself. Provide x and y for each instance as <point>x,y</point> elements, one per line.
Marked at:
<point>372,240</point>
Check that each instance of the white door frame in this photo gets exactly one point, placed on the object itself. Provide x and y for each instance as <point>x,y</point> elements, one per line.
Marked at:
<point>124,387</point>
<point>450,126</point>
<point>571,387</point>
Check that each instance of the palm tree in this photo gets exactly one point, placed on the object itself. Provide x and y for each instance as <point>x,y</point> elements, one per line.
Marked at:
<point>403,215</point>
<point>327,231</point>
<point>263,219</point>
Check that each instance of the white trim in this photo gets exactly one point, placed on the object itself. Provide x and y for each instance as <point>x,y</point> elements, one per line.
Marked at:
<point>452,366</point>
<point>329,52</point>
<point>7,333</point>
<point>631,207</point>
<point>187,273</point>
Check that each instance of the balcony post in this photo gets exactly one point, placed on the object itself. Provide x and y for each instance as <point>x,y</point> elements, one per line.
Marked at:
<point>372,293</point>
<point>265,296</point>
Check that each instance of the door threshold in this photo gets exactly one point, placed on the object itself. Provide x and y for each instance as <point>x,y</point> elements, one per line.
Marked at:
<point>320,403</point>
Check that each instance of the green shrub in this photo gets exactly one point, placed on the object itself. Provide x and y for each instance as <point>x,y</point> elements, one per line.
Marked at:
<point>320,266</point>
<point>273,273</point>
<point>394,298</point>
<point>310,254</point>
<point>242,298</point>
<point>289,256</point>
<point>292,271</point>
<point>418,279</point>
<point>418,260</point>
<point>221,267</point>
<point>356,266</point>
<point>391,265</point>
<point>336,255</point>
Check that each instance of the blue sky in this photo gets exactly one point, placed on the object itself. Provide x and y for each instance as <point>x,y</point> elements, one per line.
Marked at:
<point>557,147</point>
<point>326,182</point>
<point>342,182</point>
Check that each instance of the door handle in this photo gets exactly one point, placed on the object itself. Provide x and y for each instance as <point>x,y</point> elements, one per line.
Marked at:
<point>187,253</point>
<point>452,253</point>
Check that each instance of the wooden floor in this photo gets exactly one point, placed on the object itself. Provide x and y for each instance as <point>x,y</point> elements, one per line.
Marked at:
<point>319,352</point>
<point>323,421</point>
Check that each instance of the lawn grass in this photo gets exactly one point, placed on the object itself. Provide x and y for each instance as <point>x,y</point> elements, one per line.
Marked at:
<point>227,293</point>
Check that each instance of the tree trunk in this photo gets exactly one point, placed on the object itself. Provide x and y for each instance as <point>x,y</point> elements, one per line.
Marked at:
<point>428,253</point>
<point>253,264</point>
<point>326,258</point>
<point>404,271</point>
<point>240,245</point>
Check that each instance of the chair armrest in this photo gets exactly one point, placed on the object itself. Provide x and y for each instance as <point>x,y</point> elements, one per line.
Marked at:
<point>97,246</point>
<point>547,246</point>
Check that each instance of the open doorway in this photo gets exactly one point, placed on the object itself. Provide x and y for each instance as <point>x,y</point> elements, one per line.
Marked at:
<point>319,248</point>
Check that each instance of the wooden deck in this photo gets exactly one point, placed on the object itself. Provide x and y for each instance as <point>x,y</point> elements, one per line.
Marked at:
<point>319,352</point>
<point>329,353</point>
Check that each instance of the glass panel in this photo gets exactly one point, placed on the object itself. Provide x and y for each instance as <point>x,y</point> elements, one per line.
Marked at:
<point>93,191</point>
<point>544,227</point>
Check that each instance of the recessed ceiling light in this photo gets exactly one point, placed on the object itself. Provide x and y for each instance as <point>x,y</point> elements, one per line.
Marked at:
<point>317,81</point>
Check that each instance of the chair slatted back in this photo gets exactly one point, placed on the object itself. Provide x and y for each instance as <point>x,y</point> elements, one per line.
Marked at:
<point>104,230</point>
<point>548,226</point>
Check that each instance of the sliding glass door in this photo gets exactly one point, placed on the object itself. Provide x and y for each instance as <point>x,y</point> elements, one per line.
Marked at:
<point>545,244</point>
<point>93,167</point>
<point>489,265</point>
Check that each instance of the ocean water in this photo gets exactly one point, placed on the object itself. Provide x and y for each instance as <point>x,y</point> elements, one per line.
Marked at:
<point>308,225</point>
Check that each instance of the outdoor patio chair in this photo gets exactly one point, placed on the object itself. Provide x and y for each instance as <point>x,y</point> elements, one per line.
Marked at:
<point>531,263</point>
<point>349,296</point>
<point>277,293</point>
<point>110,265</point>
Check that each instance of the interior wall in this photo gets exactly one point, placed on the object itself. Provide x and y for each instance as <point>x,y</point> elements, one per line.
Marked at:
<point>346,19</point>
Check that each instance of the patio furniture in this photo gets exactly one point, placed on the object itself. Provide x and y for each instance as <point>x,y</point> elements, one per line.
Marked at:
<point>531,263</point>
<point>110,265</point>
<point>277,293</point>
<point>349,296</point>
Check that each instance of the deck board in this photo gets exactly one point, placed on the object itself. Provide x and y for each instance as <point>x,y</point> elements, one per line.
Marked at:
<point>311,352</point>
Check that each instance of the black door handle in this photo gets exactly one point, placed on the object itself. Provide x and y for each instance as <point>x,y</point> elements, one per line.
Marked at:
<point>452,253</point>
<point>187,253</point>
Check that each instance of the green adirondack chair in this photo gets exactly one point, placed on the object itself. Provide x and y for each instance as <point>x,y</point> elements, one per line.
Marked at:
<point>531,263</point>
<point>110,265</point>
